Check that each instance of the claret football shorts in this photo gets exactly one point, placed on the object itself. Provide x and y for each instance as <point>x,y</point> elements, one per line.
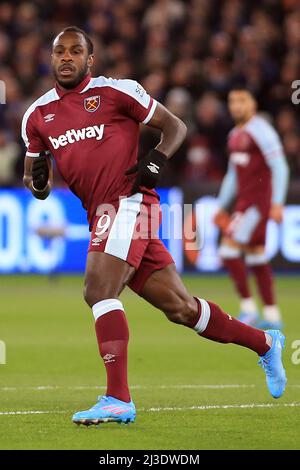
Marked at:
<point>248,226</point>
<point>129,231</point>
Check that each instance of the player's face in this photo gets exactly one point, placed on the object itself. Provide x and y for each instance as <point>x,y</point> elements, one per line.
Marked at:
<point>241,105</point>
<point>70,59</point>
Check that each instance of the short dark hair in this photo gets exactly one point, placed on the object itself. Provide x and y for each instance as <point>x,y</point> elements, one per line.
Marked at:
<point>243,87</point>
<point>75,29</point>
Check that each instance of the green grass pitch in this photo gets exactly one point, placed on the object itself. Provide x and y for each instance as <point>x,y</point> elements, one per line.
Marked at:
<point>190,393</point>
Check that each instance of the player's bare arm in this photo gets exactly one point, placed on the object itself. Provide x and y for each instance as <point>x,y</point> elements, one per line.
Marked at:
<point>172,128</point>
<point>38,176</point>
<point>148,170</point>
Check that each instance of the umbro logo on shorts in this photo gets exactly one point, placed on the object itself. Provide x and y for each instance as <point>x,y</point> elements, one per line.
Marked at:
<point>72,135</point>
<point>96,241</point>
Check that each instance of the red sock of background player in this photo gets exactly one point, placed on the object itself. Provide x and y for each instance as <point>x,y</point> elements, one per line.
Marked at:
<point>238,273</point>
<point>214,324</point>
<point>113,335</point>
<point>264,280</point>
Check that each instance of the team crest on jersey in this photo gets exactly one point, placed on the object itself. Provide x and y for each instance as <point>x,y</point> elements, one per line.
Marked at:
<point>92,103</point>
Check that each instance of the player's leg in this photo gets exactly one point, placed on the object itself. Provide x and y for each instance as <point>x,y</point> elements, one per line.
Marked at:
<point>105,279</point>
<point>164,289</point>
<point>232,256</point>
<point>257,261</point>
<point>114,255</point>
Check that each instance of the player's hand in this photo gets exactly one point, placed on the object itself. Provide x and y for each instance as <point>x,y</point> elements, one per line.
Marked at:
<point>276,213</point>
<point>222,220</point>
<point>148,170</point>
<point>40,172</point>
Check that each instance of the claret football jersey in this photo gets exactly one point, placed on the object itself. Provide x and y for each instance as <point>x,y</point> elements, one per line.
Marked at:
<point>92,132</point>
<point>251,148</point>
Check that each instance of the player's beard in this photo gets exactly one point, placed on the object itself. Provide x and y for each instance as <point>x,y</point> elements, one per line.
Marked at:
<point>239,121</point>
<point>72,84</point>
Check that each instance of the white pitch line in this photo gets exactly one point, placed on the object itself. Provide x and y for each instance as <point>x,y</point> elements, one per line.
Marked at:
<point>171,408</point>
<point>29,412</point>
<point>223,407</point>
<point>133,387</point>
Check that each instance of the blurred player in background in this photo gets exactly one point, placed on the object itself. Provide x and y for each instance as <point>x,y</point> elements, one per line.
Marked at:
<point>257,178</point>
<point>91,127</point>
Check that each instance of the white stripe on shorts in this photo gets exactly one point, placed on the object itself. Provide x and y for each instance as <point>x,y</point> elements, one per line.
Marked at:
<point>105,306</point>
<point>204,317</point>
<point>122,229</point>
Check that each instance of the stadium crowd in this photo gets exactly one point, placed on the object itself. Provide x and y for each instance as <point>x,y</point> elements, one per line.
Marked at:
<point>187,54</point>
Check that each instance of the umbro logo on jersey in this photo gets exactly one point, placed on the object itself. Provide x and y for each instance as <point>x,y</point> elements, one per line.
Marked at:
<point>153,167</point>
<point>75,135</point>
<point>49,117</point>
<point>92,103</point>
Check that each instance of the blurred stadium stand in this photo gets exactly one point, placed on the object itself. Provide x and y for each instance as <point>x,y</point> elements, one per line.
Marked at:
<point>186,53</point>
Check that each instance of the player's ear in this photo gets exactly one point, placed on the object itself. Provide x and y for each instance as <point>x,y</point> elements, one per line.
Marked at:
<point>90,60</point>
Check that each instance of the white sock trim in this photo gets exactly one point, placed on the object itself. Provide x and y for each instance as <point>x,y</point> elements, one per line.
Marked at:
<point>229,252</point>
<point>271,313</point>
<point>248,306</point>
<point>204,317</point>
<point>105,306</point>
<point>256,259</point>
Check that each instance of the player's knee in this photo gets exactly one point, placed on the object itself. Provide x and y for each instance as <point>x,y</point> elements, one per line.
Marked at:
<point>89,296</point>
<point>182,312</point>
<point>93,294</point>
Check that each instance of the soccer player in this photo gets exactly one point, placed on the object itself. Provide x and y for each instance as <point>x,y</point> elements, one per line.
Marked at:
<point>257,178</point>
<point>91,128</point>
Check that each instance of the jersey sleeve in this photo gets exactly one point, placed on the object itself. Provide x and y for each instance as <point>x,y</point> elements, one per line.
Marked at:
<point>134,101</point>
<point>30,135</point>
<point>266,138</point>
<point>268,141</point>
<point>228,188</point>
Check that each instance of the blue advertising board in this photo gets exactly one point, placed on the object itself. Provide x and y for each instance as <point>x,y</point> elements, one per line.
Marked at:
<point>22,218</point>
<point>52,235</point>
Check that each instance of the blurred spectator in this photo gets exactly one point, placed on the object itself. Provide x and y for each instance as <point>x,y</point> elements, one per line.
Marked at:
<point>187,54</point>
<point>200,163</point>
<point>9,153</point>
<point>213,123</point>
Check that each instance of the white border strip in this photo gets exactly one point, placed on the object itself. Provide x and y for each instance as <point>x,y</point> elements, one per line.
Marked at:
<point>122,230</point>
<point>151,112</point>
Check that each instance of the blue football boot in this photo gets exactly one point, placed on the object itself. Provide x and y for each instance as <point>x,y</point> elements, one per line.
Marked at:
<point>271,362</point>
<point>107,409</point>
